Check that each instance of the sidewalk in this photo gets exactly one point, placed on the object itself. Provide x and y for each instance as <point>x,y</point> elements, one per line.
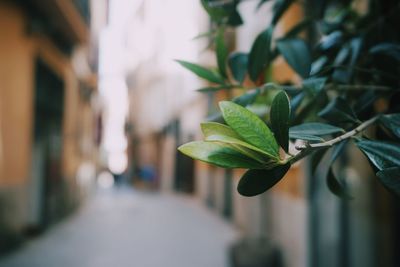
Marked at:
<point>127,228</point>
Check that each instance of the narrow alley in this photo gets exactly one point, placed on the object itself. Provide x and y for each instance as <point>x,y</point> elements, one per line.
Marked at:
<point>205,133</point>
<point>127,228</point>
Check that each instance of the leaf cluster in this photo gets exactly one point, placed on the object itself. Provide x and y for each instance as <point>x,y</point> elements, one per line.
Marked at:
<point>348,62</point>
<point>246,142</point>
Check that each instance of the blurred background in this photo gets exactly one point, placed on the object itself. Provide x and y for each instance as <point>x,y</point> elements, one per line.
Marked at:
<point>92,109</point>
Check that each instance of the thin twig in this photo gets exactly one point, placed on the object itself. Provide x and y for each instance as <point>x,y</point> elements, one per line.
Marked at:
<point>347,135</point>
<point>309,148</point>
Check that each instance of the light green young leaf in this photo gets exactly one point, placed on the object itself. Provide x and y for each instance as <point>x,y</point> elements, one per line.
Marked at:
<point>219,154</point>
<point>214,131</point>
<point>255,182</point>
<point>267,162</point>
<point>280,117</point>
<point>250,127</point>
<point>215,128</point>
<point>202,72</point>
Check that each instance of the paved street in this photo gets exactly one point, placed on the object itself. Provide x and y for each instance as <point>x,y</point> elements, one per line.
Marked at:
<point>128,228</point>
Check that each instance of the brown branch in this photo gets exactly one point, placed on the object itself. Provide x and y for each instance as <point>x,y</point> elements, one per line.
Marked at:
<point>309,148</point>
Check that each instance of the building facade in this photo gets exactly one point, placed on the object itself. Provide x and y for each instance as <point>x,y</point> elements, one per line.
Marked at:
<point>48,113</point>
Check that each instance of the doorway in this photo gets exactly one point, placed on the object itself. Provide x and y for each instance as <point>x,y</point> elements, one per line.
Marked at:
<point>46,189</point>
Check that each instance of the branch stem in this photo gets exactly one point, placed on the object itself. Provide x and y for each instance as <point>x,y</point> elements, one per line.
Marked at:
<point>309,148</point>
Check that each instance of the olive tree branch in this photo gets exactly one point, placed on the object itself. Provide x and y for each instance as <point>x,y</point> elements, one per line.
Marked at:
<point>308,148</point>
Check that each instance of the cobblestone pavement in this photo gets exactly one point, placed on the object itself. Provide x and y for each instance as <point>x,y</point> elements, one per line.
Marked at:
<point>128,228</point>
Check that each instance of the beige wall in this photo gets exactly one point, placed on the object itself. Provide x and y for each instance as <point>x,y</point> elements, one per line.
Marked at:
<point>16,87</point>
<point>18,52</point>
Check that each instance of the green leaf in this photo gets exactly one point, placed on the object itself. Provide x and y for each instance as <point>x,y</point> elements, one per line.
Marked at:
<point>212,89</point>
<point>255,182</point>
<point>235,19</point>
<point>313,86</point>
<point>280,117</point>
<point>209,89</point>
<point>221,52</point>
<point>390,178</point>
<point>260,54</point>
<point>238,65</point>
<point>218,154</point>
<point>306,137</point>
<point>297,54</point>
<point>295,103</point>
<point>337,150</point>
<point>298,28</point>
<point>336,187</point>
<point>318,65</point>
<point>338,111</point>
<point>204,34</point>
<point>202,72</point>
<point>316,158</point>
<point>315,128</point>
<point>312,131</point>
<point>335,153</point>
<point>250,127</point>
<point>247,98</point>
<point>214,131</point>
<point>382,154</point>
<point>308,107</point>
<point>216,10</point>
<point>392,122</point>
<point>215,128</point>
<point>246,149</point>
<point>388,49</point>
<point>279,9</point>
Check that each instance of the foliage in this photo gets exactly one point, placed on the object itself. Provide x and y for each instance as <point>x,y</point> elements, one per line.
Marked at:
<point>348,63</point>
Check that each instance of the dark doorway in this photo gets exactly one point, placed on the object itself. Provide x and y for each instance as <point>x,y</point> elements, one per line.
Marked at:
<point>228,201</point>
<point>184,173</point>
<point>47,184</point>
<point>184,166</point>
